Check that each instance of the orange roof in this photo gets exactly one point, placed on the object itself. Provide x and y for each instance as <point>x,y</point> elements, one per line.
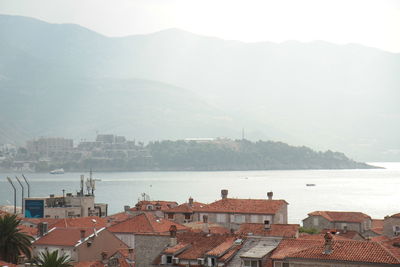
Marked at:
<point>341,216</point>
<point>81,222</point>
<point>32,231</point>
<point>119,217</point>
<point>213,228</point>
<point>281,230</point>
<point>223,247</point>
<point>252,206</point>
<point>377,223</point>
<point>50,221</point>
<point>177,248</point>
<point>201,244</point>
<point>320,237</point>
<point>342,250</point>
<point>145,223</point>
<point>397,215</point>
<point>63,236</point>
<point>186,208</point>
<point>393,245</point>
<point>349,234</point>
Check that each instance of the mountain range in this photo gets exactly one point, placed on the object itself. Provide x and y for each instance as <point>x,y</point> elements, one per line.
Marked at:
<point>66,80</point>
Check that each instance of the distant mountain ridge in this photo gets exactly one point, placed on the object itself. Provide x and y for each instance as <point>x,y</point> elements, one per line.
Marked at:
<point>340,97</point>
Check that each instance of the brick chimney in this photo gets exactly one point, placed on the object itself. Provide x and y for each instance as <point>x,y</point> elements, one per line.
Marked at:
<point>190,201</point>
<point>328,246</point>
<point>172,234</point>
<point>270,194</point>
<point>224,193</point>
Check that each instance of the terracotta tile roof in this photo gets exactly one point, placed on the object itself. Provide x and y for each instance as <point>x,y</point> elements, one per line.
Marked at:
<point>145,223</point>
<point>222,248</point>
<point>186,208</point>
<point>164,205</point>
<point>278,230</point>
<point>63,236</point>
<point>32,231</point>
<point>393,245</point>
<point>289,246</point>
<point>177,248</point>
<point>36,221</point>
<point>341,216</point>
<point>380,238</point>
<point>252,206</point>
<point>118,217</point>
<point>320,237</point>
<point>81,222</point>
<point>342,250</point>
<point>200,244</point>
<point>349,234</point>
<point>397,215</point>
<point>213,228</point>
<point>3,263</point>
<point>377,223</point>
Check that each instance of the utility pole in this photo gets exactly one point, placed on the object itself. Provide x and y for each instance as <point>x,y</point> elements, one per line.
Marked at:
<point>15,195</point>
<point>29,187</point>
<point>22,201</point>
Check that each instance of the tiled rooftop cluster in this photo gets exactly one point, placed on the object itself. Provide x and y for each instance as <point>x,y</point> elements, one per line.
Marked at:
<point>227,232</point>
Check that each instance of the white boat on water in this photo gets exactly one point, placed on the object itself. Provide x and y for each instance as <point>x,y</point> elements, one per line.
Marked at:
<point>57,171</point>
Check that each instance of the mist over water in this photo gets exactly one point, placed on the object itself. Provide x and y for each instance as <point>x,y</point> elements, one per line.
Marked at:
<point>374,192</point>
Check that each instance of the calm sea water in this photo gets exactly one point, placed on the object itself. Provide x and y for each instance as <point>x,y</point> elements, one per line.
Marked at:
<point>375,192</point>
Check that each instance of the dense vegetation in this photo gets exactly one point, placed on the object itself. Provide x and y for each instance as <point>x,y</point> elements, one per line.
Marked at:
<point>215,156</point>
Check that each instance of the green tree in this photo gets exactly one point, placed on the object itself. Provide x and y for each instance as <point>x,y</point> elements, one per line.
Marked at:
<point>12,242</point>
<point>47,259</point>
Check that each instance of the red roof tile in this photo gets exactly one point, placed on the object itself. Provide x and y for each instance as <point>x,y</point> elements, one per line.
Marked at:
<point>320,237</point>
<point>63,236</point>
<point>81,222</point>
<point>397,215</point>
<point>250,206</point>
<point>200,243</point>
<point>177,248</point>
<point>145,223</point>
<point>377,223</point>
<point>213,228</point>
<point>187,208</point>
<point>342,250</point>
<point>222,248</point>
<point>278,230</point>
<point>341,216</point>
<point>32,231</point>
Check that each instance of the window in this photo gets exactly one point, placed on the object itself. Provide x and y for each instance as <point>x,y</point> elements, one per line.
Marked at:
<point>149,207</point>
<point>315,221</point>
<point>396,230</point>
<point>254,218</point>
<point>187,216</point>
<point>169,259</point>
<point>240,218</point>
<point>278,264</point>
<point>170,216</point>
<point>285,264</point>
<point>250,263</point>
<point>221,218</point>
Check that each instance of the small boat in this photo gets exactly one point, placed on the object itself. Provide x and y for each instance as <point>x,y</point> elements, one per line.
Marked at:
<point>57,171</point>
<point>310,184</point>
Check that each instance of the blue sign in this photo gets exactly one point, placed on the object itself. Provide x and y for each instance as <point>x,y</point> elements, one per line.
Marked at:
<point>34,208</point>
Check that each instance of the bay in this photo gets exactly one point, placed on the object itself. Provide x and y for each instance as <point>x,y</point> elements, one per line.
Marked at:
<point>373,191</point>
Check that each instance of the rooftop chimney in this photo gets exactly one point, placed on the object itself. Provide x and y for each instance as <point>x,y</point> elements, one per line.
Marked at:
<point>190,201</point>
<point>267,225</point>
<point>205,225</point>
<point>328,243</point>
<point>127,208</point>
<point>270,194</point>
<point>172,233</point>
<point>104,255</point>
<point>42,228</point>
<point>83,232</point>
<point>345,229</point>
<point>224,193</point>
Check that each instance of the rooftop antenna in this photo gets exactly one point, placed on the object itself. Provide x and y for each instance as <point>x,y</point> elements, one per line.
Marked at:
<point>82,183</point>
<point>29,187</point>
<point>22,195</point>
<point>15,195</point>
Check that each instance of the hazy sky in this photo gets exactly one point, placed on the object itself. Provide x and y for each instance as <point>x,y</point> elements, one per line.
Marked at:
<point>373,23</point>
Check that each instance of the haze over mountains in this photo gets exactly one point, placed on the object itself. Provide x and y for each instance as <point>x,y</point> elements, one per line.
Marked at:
<point>65,80</point>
